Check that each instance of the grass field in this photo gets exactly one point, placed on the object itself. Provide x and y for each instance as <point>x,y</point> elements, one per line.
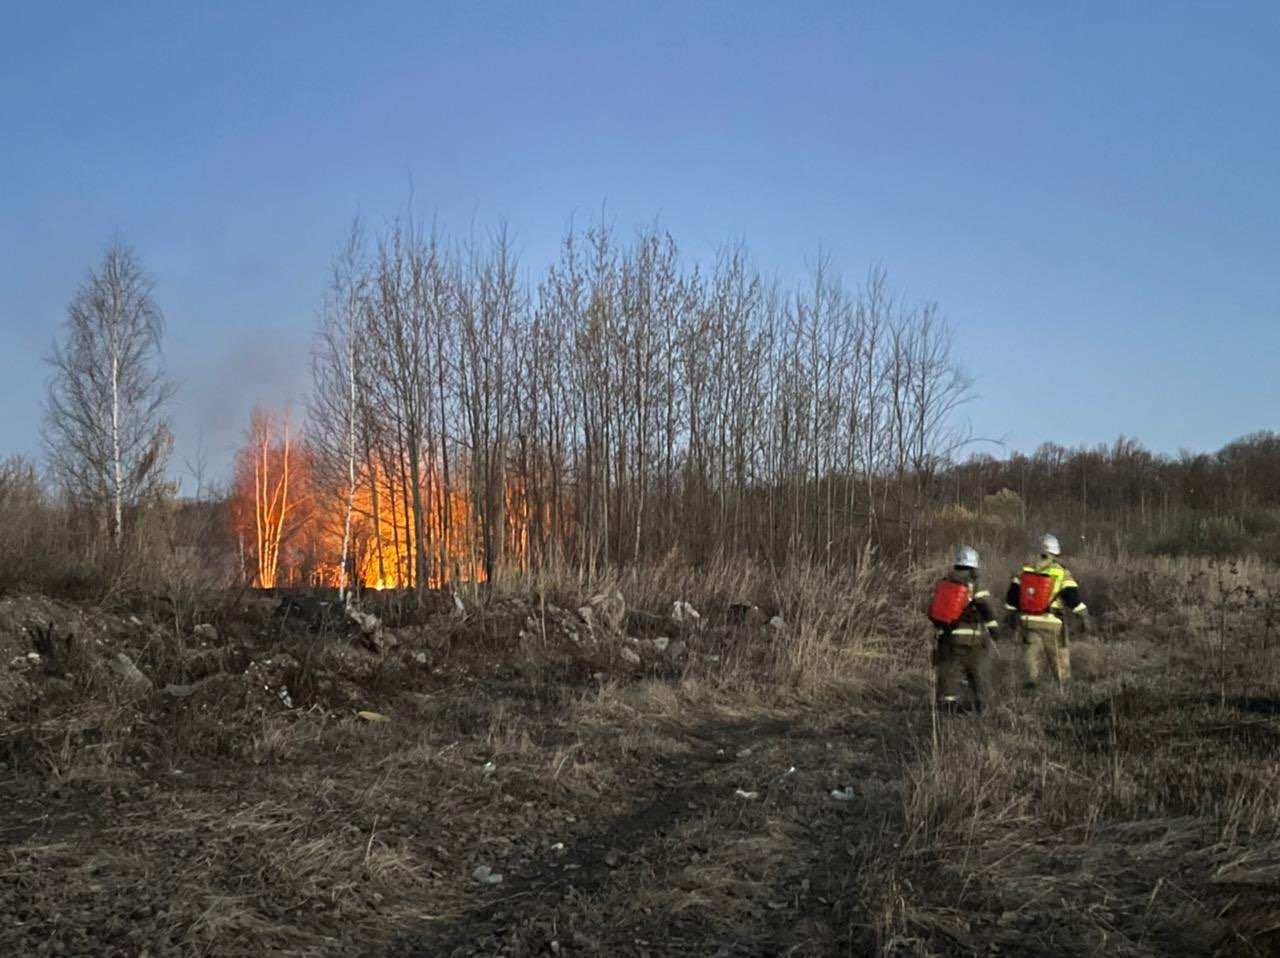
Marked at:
<point>681,805</point>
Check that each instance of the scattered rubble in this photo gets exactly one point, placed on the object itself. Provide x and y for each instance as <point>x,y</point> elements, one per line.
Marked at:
<point>131,677</point>
<point>682,613</point>
<point>610,610</point>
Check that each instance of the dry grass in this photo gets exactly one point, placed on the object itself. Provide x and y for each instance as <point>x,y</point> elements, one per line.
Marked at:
<point>1135,814</point>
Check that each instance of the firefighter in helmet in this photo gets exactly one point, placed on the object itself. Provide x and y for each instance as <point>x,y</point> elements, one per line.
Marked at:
<point>966,626</point>
<point>1039,598</point>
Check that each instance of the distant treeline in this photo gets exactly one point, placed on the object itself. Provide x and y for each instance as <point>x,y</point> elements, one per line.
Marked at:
<point>1124,496</point>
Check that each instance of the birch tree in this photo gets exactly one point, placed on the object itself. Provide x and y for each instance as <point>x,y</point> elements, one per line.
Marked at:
<point>336,399</point>
<point>107,438</point>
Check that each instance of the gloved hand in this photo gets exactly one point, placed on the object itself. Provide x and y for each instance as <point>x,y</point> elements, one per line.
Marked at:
<point>1083,625</point>
<point>994,632</point>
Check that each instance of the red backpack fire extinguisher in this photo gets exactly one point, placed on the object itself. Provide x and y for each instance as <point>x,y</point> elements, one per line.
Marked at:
<point>1035,593</point>
<point>950,599</point>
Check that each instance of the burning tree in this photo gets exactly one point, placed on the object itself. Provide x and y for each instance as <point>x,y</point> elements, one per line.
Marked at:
<point>626,405</point>
<point>269,505</point>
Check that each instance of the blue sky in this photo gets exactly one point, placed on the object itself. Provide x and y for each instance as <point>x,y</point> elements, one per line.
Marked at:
<point>1091,191</point>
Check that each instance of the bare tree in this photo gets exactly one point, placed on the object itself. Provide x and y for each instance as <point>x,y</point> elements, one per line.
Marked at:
<point>107,439</point>
<point>335,401</point>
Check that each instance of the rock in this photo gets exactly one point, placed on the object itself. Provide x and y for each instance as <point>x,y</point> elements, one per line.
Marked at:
<point>486,875</point>
<point>630,655</point>
<point>370,631</point>
<point>366,622</point>
<point>661,643</point>
<point>610,610</point>
<point>778,624</point>
<point>206,632</point>
<point>130,675</point>
<point>682,613</point>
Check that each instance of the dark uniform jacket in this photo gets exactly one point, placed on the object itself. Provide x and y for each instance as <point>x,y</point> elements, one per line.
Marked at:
<point>976,622</point>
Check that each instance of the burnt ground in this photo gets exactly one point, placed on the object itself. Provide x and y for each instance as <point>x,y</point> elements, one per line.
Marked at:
<point>664,807</point>
<point>648,849</point>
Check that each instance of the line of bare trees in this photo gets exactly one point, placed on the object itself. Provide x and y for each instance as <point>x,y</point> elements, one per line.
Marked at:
<point>625,404</point>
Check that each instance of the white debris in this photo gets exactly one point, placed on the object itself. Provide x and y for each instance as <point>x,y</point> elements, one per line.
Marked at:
<point>486,875</point>
<point>630,655</point>
<point>843,794</point>
<point>661,643</point>
<point>748,796</point>
<point>558,847</point>
<point>368,623</point>
<point>682,613</point>
<point>744,752</point>
<point>129,674</point>
<point>778,623</point>
<point>285,698</point>
<point>489,768</point>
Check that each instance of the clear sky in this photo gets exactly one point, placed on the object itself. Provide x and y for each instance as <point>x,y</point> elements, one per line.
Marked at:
<point>1091,191</point>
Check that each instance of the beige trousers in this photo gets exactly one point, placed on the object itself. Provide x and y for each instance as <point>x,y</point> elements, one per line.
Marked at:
<point>1044,640</point>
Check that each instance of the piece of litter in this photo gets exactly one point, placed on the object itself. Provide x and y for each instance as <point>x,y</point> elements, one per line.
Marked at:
<point>747,795</point>
<point>743,752</point>
<point>489,768</point>
<point>486,875</point>
<point>790,771</point>
<point>843,794</point>
<point>558,847</point>
<point>373,717</point>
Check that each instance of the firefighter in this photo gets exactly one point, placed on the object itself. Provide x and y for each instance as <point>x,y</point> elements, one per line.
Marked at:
<point>966,627</point>
<point>1039,598</point>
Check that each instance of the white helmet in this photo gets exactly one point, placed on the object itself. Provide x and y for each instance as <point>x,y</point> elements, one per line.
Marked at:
<point>1049,544</point>
<point>967,557</point>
